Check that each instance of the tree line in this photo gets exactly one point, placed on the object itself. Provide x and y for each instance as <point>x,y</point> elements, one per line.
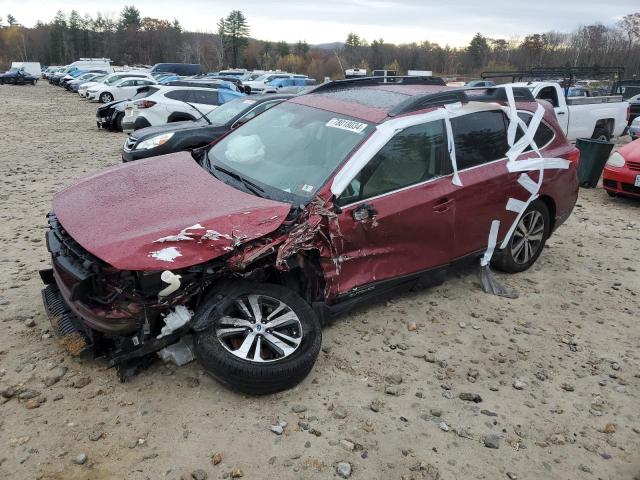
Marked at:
<point>132,39</point>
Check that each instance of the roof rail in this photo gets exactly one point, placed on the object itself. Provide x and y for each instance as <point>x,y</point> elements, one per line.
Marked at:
<point>557,72</point>
<point>482,94</point>
<point>372,81</point>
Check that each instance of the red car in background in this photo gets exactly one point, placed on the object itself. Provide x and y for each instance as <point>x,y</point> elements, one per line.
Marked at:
<point>622,172</point>
<point>330,199</point>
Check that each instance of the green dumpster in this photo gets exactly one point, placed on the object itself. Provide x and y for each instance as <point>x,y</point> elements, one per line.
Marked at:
<point>593,155</point>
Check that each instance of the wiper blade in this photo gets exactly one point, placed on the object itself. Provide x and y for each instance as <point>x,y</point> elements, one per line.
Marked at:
<point>202,115</point>
<point>248,184</point>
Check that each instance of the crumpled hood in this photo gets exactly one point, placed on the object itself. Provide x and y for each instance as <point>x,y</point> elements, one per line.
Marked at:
<point>162,213</point>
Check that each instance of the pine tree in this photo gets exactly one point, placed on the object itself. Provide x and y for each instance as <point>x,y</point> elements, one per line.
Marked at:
<point>235,34</point>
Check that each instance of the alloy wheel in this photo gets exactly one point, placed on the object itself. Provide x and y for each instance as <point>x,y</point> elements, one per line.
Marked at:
<point>527,237</point>
<point>259,328</point>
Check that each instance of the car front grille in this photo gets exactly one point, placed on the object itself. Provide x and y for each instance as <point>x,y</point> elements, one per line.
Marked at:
<point>634,166</point>
<point>130,142</point>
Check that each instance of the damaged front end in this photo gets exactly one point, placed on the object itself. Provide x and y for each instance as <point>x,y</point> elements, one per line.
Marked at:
<point>120,315</point>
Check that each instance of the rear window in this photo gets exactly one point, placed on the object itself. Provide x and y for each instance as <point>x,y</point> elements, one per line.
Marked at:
<point>479,138</point>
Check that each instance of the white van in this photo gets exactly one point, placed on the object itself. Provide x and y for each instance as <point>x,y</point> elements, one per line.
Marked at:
<point>32,68</point>
<point>91,64</point>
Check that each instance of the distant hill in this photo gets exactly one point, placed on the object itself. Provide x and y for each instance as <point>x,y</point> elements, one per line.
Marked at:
<point>329,46</point>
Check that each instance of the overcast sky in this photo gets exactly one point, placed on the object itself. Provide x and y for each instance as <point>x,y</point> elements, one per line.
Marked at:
<point>321,21</point>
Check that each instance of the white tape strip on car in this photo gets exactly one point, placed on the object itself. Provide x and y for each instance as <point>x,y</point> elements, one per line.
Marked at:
<point>493,238</point>
<point>451,146</point>
<point>514,165</point>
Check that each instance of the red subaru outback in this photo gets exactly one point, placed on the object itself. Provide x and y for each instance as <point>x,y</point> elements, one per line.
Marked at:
<point>326,200</point>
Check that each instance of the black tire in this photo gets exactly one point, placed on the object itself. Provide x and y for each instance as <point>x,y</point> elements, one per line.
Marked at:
<point>106,97</point>
<point>610,193</point>
<point>249,376</point>
<point>512,259</point>
<point>601,133</point>
<point>118,122</point>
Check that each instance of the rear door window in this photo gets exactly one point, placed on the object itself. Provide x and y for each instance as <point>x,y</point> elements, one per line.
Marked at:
<point>180,95</point>
<point>414,155</point>
<point>479,138</point>
<point>205,97</point>
<point>543,135</point>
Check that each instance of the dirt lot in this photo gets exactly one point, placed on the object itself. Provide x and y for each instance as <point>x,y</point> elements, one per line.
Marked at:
<point>557,370</point>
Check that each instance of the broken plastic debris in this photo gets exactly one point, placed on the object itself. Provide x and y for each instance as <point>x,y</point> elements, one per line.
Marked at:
<point>183,235</point>
<point>175,320</point>
<point>166,254</point>
<point>180,353</point>
<point>172,279</point>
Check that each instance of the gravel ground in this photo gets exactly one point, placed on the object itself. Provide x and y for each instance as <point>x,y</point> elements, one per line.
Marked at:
<point>555,374</point>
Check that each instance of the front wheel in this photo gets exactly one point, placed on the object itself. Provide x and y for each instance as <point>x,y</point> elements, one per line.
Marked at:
<point>118,122</point>
<point>106,97</point>
<point>527,241</point>
<point>264,339</point>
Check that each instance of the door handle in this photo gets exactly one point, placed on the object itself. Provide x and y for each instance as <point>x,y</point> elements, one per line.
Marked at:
<point>560,113</point>
<point>443,205</point>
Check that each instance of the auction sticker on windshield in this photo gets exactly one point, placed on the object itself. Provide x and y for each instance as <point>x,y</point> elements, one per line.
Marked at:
<point>345,124</point>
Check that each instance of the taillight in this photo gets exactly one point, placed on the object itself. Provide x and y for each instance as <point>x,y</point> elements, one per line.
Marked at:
<point>144,103</point>
<point>574,156</point>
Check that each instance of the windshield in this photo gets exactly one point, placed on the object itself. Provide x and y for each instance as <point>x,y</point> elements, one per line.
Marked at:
<point>113,79</point>
<point>227,111</point>
<point>290,149</point>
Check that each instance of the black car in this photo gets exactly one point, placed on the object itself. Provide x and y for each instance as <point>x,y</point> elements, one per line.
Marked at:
<point>109,115</point>
<point>177,136</point>
<point>17,77</point>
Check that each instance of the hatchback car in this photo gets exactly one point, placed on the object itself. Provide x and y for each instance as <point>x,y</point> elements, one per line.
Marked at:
<point>621,174</point>
<point>322,202</point>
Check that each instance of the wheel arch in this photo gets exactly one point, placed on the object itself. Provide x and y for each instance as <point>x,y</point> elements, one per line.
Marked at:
<point>179,117</point>
<point>551,206</point>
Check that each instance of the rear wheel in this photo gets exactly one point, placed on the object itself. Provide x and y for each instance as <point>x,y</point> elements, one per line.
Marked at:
<point>527,241</point>
<point>264,340</point>
<point>106,97</point>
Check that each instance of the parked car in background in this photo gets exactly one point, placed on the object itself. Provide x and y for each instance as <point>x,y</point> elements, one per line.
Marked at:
<point>174,104</point>
<point>235,72</point>
<point>322,202</point>
<point>601,117</point>
<point>109,116</point>
<point>258,85</point>
<point>50,71</point>
<point>634,107</point>
<point>480,83</point>
<point>207,82</point>
<point>121,89</point>
<point>74,84</point>
<point>621,174</point>
<point>634,128</point>
<point>276,85</point>
<point>582,92</point>
<point>103,64</point>
<point>178,68</point>
<point>16,76</point>
<point>177,136</point>
<point>64,82</point>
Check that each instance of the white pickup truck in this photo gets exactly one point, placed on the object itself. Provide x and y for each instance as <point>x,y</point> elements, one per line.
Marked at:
<point>583,117</point>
